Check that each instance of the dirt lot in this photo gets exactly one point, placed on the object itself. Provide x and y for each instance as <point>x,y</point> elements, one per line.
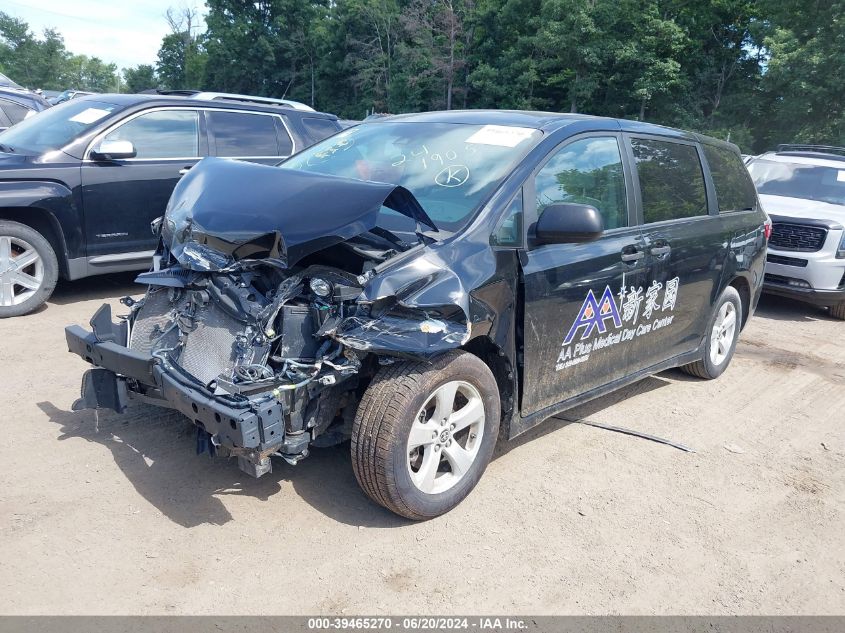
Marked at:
<point>571,519</point>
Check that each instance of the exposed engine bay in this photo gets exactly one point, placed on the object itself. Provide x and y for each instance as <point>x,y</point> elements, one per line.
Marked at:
<point>267,343</point>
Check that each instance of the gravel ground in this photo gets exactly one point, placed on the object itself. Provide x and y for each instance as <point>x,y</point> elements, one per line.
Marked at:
<point>126,519</point>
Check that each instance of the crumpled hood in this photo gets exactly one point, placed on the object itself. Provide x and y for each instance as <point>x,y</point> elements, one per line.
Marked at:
<point>224,210</point>
<point>801,208</point>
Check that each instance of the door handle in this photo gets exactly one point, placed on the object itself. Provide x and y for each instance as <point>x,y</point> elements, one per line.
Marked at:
<point>660,250</point>
<point>632,255</point>
<point>184,170</point>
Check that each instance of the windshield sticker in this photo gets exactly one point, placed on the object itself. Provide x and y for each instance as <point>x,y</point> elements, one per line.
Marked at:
<point>89,115</point>
<point>500,135</point>
<point>840,176</point>
<point>614,319</point>
<point>452,176</point>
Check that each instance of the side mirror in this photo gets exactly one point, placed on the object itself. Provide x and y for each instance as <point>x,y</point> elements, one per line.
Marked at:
<point>114,150</point>
<point>567,223</point>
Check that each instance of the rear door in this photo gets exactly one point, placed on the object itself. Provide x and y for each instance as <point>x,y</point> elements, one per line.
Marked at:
<point>122,197</point>
<point>685,247</point>
<point>573,336</point>
<point>259,137</point>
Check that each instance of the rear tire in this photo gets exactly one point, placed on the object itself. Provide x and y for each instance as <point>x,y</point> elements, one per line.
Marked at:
<point>722,335</point>
<point>838,311</point>
<point>425,432</point>
<point>28,269</point>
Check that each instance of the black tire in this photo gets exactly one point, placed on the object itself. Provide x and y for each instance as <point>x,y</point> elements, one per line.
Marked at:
<point>387,411</point>
<point>706,368</point>
<point>838,311</point>
<point>48,262</point>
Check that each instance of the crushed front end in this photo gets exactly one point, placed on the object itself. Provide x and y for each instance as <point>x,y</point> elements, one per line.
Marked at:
<point>244,357</point>
<point>266,343</point>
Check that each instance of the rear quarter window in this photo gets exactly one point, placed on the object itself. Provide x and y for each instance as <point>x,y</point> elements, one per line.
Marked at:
<point>318,128</point>
<point>15,111</point>
<point>734,188</point>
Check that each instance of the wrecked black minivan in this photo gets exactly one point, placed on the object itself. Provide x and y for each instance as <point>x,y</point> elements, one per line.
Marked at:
<point>423,284</point>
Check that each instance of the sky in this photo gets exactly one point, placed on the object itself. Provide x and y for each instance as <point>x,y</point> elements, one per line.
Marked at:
<point>125,32</point>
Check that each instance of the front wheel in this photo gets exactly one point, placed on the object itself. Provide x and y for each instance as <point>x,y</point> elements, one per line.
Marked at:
<point>838,311</point>
<point>425,432</point>
<point>722,335</point>
<point>28,269</point>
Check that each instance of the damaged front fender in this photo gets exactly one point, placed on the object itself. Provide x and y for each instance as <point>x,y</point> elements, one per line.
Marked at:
<point>413,335</point>
<point>417,308</point>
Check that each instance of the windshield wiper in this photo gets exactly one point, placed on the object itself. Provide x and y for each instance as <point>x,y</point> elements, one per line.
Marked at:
<point>390,237</point>
<point>6,148</point>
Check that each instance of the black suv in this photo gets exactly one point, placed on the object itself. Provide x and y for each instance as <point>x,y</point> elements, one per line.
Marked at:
<point>517,264</point>
<point>81,182</point>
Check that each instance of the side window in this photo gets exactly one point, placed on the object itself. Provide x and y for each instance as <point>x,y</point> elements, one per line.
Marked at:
<point>734,189</point>
<point>4,120</point>
<point>509,231</point>
<point>161,134</point>
<point>671,180</point>
<point>588,171</point>
<point>15,111</point>
<point>318,129</point>
<point>242,134</point>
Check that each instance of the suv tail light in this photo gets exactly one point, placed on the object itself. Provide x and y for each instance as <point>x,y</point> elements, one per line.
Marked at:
<point>767,229</point>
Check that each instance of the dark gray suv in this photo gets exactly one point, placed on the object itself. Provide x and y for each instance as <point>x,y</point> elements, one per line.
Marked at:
<point>81,182</point>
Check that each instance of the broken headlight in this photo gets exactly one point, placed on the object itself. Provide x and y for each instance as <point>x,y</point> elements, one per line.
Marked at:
<point>321,287</point>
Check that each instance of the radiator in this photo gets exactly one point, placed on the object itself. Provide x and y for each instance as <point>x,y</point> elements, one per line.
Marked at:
<point>211,350</point>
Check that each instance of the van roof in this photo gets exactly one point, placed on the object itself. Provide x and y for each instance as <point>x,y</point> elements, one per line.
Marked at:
<point>550,121</point>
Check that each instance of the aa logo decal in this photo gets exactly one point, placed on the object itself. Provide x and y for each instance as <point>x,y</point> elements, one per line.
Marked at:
<point>603,323</point>
<point>593,315</point>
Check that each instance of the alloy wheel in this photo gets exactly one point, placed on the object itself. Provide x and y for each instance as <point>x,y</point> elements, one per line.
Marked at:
<point>21,270</point>
<point>722,335</point>
<point>445,437</point>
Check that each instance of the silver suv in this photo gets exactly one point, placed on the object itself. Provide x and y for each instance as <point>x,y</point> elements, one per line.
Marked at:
<point>802,188</point>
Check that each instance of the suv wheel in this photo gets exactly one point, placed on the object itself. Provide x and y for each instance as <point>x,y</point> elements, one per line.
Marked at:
<point>838,311</point>
<point>425,432</point>
<point>28,269</point>
<point>723,333</point>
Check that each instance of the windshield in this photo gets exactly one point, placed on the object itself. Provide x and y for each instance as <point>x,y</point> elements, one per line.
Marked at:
<point>798,180</point>
<point>450,168</point>
<point>56,127</point>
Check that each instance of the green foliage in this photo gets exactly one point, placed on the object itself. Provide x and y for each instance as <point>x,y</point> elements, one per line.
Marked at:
<point>140,78</point>
<point>803,87</point>
<point>46,63</point>
<point>758,72</point>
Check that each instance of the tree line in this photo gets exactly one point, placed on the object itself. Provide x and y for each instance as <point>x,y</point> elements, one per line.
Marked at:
<point>45,63</point>
<point>759,72</point>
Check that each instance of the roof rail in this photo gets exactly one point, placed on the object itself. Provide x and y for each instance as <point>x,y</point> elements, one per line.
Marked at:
<point>820,149</point>
<point>223,96</point>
